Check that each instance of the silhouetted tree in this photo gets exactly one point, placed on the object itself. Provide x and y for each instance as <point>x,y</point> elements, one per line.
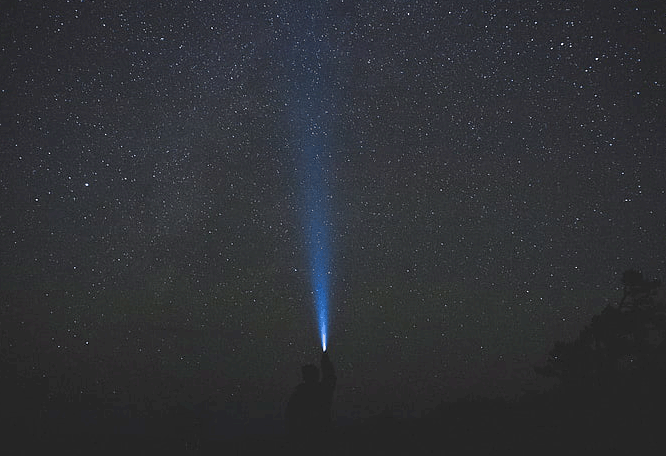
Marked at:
<point>622,350</point>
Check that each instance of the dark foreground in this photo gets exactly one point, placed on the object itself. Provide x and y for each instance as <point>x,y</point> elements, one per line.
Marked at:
<point>552,426</point>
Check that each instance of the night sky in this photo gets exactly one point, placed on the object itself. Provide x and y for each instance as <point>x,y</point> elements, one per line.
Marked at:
<point>485,172</point>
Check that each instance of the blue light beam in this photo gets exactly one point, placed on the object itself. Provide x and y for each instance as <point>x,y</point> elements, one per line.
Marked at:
<point>312,104</point>
<point>317,236</point>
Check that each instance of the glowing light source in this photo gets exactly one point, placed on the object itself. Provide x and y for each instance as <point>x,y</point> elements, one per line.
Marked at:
<point>313,104</point>
<point>321,302</point>
<point>317,235</point>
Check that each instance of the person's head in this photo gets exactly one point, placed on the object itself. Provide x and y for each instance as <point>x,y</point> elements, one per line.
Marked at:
<point>310,373</point>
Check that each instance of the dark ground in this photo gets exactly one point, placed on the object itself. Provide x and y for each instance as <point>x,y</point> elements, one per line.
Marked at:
<point>542,424</point>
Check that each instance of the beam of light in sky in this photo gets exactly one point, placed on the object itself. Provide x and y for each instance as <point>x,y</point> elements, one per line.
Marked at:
<point>312,104</point>
<point>317,234</point>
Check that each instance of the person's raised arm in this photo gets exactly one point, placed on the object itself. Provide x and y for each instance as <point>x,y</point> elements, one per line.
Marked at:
<point>328,374</point>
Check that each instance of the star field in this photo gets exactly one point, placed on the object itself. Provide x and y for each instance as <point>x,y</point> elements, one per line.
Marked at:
<point>492,169</point>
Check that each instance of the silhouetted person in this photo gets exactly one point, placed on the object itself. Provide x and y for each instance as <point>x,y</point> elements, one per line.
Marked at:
<point>309,408</point>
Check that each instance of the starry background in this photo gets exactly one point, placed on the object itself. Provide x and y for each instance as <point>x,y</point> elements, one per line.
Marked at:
<point>491,168</point>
